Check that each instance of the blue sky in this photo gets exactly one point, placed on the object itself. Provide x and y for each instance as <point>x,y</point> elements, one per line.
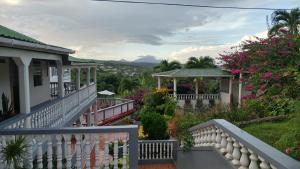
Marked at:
<point>108,31</point>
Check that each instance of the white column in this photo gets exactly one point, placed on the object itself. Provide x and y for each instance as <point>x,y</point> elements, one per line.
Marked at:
<point>78,78</point>
<point>175,87</point>
<point>60,75</point>
<point>196,88</point>
<point>24,88</point>
<point>95,75</point>
<point>158,82</point>
<point>230,86</point>
<point>88,76</point>
<point>240,90</point>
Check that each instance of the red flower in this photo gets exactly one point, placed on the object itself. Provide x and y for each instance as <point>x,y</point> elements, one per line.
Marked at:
<point>267,75</point>
<point>288,151</point>
<point>263,53</point>
<point>235,71</point>
<point>249,87</point>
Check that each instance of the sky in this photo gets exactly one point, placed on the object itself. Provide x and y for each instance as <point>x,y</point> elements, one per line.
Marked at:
<point>115,31</point>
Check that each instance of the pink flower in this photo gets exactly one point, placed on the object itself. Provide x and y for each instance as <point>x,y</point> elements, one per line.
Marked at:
<point>235,71</point>
<point>288,151</point>
<point>263,53</point>
<point>252,69</point>
<point>291,44</point>
<point>267,75</point>
<point>249,87</point>
<point>285,53</point>
<point>263,87</point>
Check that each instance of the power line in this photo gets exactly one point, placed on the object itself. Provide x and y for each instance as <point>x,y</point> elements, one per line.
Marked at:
<point>191,5</point>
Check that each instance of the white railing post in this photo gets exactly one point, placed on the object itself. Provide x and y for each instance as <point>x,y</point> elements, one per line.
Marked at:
<point>124,162</point>
<point>244,160</point>
<point>116,149</point>
<point>49,152</point>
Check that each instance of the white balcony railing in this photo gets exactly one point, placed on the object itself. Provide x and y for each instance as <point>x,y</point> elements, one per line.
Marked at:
<point>81,148</point>
<point>196,96</point>
<point>118,109</point>
<point>56,113</point>
<point>240,148</point>
<point>157,150</point>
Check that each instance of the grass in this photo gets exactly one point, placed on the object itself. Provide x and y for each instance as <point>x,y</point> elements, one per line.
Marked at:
<point>269,132</point>
<point>281,135</point>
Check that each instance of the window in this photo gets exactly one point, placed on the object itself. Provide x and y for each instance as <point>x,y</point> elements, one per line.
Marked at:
<point>37,73</point>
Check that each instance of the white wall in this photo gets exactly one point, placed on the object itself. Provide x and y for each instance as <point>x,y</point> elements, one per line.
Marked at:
<point>40,94</point>
<point>4,80</point>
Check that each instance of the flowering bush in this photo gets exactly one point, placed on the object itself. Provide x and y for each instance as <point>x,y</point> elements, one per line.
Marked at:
<point>268,64</point>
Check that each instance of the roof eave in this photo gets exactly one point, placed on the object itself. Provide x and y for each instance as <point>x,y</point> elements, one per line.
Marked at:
<point>7,42</point>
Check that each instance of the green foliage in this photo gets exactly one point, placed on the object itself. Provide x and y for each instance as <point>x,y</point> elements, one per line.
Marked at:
<point>7,107</point>
<point>154,126</point>
<point>188,142</point>
<point>183,123</point>
<point>127,84</point>
<point>165,65</point>
<point>169,107</point>
<point>281,106</point>
<point>201,62</point>
<point>14,152</point>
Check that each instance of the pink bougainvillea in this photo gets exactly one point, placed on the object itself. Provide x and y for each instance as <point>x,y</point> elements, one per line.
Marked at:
<point>235,71</point>
<point>265,61</point>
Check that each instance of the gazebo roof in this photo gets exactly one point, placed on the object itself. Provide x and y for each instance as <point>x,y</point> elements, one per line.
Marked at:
<point>207,72</point>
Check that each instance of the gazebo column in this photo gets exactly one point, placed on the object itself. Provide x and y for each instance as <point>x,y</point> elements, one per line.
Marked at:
<point>175,88</point>
<point>158,82</point>
<point>230,89</point>
<point>196,89</point>
<point>240,90</point>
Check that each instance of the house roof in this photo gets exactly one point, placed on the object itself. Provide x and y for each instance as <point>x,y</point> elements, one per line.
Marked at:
<point>11,34</point>
<point>207,72</point>
<point>14,39</point>
<point>80,61</point>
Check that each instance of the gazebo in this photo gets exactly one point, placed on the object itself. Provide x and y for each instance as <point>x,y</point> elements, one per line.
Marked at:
<point>229,92</point>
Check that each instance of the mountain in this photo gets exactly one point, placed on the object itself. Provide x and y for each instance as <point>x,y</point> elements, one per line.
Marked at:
<point>147,59</point>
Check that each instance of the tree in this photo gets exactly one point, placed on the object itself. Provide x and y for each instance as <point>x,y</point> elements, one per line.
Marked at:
<point>165,65</point>
<point>201,62</point>
<point>282,19</point>
<point>154,126</point>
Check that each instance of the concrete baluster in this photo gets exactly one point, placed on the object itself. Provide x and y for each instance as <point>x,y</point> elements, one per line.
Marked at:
<point>244,160</point>
<point>229,148</point>
<point>236,155</point>
<point>253,162</point>
<point>264,164</point>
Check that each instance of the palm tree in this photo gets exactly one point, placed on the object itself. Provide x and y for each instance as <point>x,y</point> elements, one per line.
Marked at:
<point>165,65</point>
<point>284,19</point>
<point>201,62</point>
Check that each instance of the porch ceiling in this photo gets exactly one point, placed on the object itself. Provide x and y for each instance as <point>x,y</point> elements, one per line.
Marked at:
<point>207,72</point>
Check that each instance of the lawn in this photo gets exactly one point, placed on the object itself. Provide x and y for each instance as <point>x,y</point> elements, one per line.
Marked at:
<point>269,132</point>
<point>281,135</point>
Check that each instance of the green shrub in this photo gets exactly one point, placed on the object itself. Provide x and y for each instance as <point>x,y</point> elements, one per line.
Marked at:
<point>169,108</point>
<point>154,125</point>
<point>187,121</point>
<point>280,106</point>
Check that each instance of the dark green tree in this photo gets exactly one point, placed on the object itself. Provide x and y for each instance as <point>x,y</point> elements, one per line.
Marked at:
<point>201,62</point>
<point>165,65</point>
<point>282,19</point>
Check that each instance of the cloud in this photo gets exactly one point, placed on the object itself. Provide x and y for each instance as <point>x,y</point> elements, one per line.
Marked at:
<point>210,50</point>
<point>105,30</point>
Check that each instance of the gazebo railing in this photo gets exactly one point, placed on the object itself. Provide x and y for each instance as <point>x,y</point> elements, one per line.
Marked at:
<point>240,148</point>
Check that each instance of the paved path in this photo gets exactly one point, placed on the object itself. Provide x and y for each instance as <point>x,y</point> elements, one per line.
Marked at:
<point>201,158</point>
<point>157,166</point>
